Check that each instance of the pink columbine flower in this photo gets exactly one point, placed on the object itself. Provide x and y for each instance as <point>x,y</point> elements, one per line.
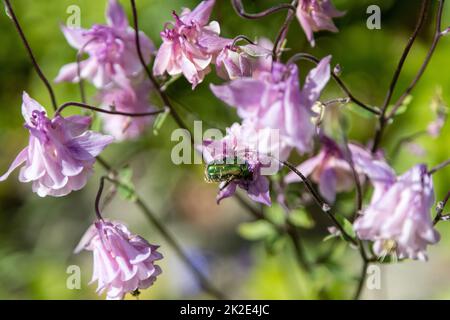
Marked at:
<point>123,262</point>
<point>190,44</point>
<point>316,15</point>
<point>60,154</point>
<point>131,99</point>
<point>254,147</point>
<point>332,172</point>
<point>398,217</point>
<point>329,169</point>
<point>111,48</point>
<point>274,99</point>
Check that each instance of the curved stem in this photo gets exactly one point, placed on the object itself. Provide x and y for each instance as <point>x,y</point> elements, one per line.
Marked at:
<point>439,167</point>
<point>80,80</point>
<point>362,280</point>
<point>437,37</point>
<point>203,281</point>
<point>155,83</point>
<point>31,55</point>
<point>325,207</point>
<point>440,208</point>
<point>99,197</point>
<point>349,159</point>
<point>398,70</point>
<point>383,120</point>
<point>283,32</point>
<point>92,108</point>
<point>311,58</point>
<point>239,8</point>
<point>239,38</point>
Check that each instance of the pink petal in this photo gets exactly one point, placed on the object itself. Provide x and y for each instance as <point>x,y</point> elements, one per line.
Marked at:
<point>21,158</point>
<point>201,13</point>
<point>115,15</point>
<point>28,106</point>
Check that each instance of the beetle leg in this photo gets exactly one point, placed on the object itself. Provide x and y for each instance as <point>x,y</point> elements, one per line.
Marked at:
<point>227,183</point>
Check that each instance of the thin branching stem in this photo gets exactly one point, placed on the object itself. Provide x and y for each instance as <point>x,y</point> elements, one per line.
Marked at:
<point>201,278</point>
<point>437,36</point>
<point>112,112</point>
<point>440,208</point>
<point>383,119</point>
<point>362,280</point>
<point>440,166</point>
<point>240,10</point>
<point>31,54</point>
<point>155,83</point>
<point>282,34</point>
<point>341,84</point>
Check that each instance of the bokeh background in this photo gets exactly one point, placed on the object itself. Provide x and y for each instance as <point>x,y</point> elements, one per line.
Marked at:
<point>37,236</point>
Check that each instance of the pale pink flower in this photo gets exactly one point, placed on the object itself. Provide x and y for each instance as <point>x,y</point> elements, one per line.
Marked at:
<point>60,154</point>
<point>131,99</point>
<point>190,44</point>
<point>316,15</point>
<point>398,217</point>
<point>113,56</point>
<point>123,262</point>
<point>329,169</point>
<point>274,99</point>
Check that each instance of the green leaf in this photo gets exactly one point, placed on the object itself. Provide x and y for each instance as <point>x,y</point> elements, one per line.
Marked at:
<point>301,218</point>
<point>126,189</point>
<point>257,230</point>
<point>404,106</point>
<point>159,121</point>
<point>276,214</point>
<point>346,225</point>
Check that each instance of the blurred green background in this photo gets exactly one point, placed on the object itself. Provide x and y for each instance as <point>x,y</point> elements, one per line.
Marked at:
<point>37,236</point>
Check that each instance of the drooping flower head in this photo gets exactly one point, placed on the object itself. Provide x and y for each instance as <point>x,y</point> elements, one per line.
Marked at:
<point>190,44</point>
<point>329,169</point>
<point>273,98</point>
<point>258,150</point>
<point>316,15</point>
<point>112,50</point>
<point>123,262</point>
<point>60,154</point>
<point>398,218</point>
<point>235,62</point>
<point>131,99</point>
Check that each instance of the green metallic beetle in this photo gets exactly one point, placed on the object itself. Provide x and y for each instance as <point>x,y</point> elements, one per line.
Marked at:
<point>228,170</point>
